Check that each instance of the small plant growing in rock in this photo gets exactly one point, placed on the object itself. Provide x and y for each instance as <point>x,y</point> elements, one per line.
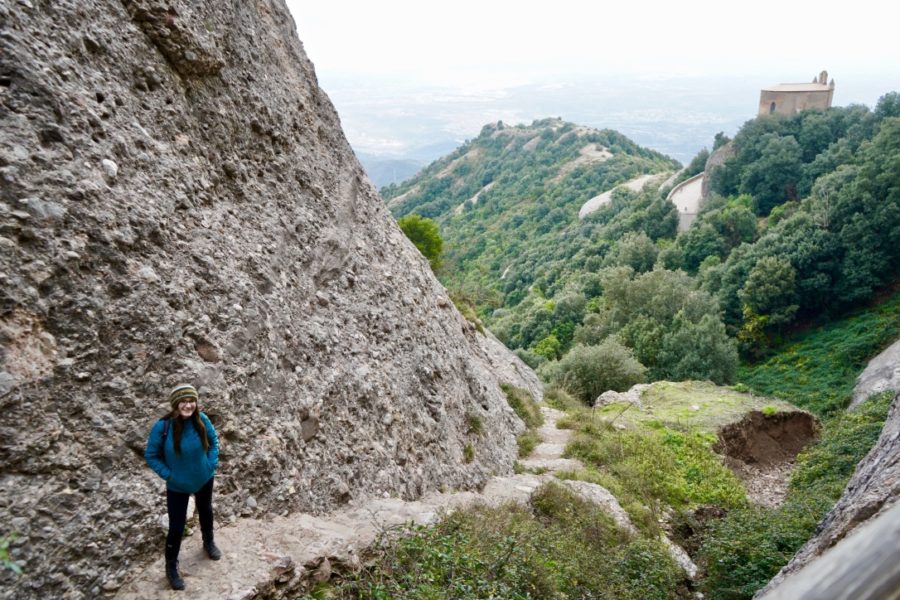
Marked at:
<point>528,410</point>
<point>527,442</point>
<point>466,308</point>
<point>469,453</point>
<point>5,560</point>
<point>474,423</point>
<point>740,388</point>
<point>523,404</point>
<point>769,410</point>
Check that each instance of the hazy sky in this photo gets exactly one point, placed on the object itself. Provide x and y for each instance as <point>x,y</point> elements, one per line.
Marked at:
<point>527,40</point>
<point>407,74</point>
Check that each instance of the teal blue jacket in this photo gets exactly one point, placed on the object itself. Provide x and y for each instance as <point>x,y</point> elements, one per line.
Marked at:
<point>189,471</point>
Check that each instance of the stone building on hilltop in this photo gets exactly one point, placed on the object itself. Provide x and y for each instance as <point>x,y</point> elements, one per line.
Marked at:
<point>791,98</point>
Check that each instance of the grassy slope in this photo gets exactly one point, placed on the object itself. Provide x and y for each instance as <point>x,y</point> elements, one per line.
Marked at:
<point>817,369</point>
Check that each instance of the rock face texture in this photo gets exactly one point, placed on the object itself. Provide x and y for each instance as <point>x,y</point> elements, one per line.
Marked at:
<point>872,491</point>
<point>179,204</point>
<point>881,374</point>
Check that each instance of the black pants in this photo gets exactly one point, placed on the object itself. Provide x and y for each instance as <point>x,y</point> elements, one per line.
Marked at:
<point>176,504</point>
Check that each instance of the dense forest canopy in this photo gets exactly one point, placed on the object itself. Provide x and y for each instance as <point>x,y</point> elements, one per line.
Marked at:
<point>803,223</point>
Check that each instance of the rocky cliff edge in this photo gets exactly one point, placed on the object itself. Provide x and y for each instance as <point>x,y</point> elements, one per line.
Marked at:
<point>178,203</point>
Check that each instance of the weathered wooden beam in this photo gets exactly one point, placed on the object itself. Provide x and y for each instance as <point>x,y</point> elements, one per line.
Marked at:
<point>863,566</point>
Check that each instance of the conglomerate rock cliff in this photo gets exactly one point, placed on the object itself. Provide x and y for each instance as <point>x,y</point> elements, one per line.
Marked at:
<point>178,203</point>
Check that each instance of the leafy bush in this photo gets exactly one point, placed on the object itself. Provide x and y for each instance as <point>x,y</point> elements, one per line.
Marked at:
<point>425,235</point>
<point>588,371</point>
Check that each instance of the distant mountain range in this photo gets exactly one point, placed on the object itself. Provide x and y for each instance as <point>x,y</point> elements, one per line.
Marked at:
<point>393,119</point>
<point>384,171</point>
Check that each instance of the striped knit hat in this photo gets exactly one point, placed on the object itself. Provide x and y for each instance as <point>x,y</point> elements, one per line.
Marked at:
<point>182,392</point>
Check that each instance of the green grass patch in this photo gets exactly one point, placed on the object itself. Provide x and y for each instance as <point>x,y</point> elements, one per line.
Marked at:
<point>524,405</point>
<point>474,423</point>
<point>817,369</point>
<point>700,405</point>
<point>558,547</point>
<point>528,410</point>
<point>560,399</point>
<point>653,468</point>
<point>527,442</point>
<point>743,551</point>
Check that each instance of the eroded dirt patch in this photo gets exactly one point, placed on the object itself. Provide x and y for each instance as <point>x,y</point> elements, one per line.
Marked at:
<point>761,450</point>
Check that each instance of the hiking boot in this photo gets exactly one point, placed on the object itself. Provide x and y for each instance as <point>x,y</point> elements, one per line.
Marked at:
<point>172,575</point>
<point>210,546</point>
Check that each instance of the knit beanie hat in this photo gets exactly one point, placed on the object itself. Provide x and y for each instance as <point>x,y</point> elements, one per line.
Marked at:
<point>183,392</point>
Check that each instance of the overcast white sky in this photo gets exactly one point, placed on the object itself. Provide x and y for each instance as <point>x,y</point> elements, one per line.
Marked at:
<point>529,40</point>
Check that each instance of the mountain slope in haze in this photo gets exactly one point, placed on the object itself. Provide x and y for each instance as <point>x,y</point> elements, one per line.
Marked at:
<point>384,171</point>
<point>504,199</point>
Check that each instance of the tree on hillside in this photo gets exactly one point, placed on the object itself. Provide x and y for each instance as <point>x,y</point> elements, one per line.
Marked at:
<point>770,290</point>
<point>634,250</point>
<point>698,350</point>
<point>773,178</point>
<point>425,235</point>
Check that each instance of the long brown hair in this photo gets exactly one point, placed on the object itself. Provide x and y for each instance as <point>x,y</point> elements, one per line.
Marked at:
<point>178,428</point>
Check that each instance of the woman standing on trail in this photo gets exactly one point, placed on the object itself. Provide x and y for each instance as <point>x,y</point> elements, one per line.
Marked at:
<point>183,449</point>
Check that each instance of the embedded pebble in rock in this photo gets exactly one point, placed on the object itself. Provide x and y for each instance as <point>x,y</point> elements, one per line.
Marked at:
<point>245,252</point>
<point>110,168</point>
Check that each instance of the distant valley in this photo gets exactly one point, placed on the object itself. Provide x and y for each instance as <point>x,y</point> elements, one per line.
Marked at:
<point>388,120</point>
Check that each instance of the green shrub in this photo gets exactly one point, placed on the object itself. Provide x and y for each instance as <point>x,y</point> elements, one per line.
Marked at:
<point>426,236</point>
<point>468,453</point>
<point>560,399</point>
<point>743,551</point>
<point>527,442</point>
<point>587,371</point>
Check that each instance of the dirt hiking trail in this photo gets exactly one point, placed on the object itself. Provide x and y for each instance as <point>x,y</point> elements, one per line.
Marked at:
<point>273,558</point>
